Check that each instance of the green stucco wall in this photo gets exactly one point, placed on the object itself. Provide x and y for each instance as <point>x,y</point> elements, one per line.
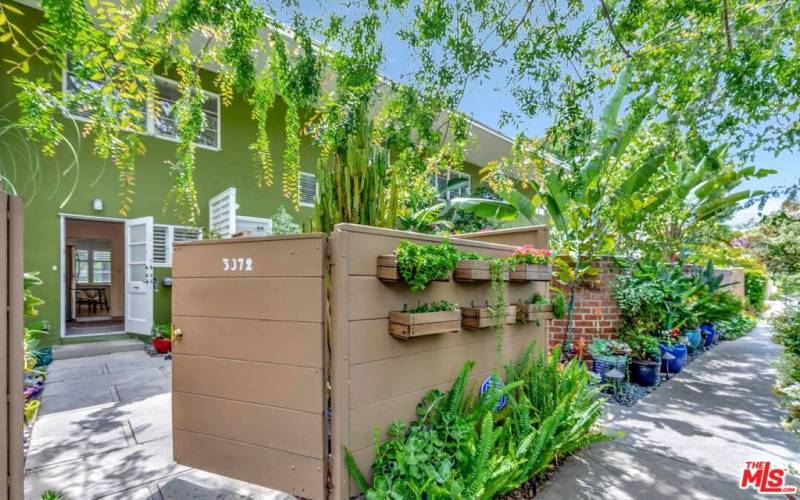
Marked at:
<point>48,187</point>
<point>47,192</point>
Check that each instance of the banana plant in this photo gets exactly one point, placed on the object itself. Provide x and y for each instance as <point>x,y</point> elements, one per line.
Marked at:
<point>706,191</point>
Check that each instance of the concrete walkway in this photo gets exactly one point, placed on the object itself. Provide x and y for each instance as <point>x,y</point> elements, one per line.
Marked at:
<point>691,437</point>
<point>104,431</point>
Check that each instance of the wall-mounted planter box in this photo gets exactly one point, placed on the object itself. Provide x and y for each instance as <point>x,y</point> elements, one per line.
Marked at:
<point>388,272</point>
<point>531,272</point>
<point>481,317</point>
<point>533,312</point>
<point>406,325</point>
<point>475,270</point>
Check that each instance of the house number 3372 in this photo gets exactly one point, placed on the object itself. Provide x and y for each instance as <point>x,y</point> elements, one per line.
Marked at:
<point>237,264</point>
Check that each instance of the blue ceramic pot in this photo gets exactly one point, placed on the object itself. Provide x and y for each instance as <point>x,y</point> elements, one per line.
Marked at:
<point>645,373</point>
<point>709,332</point>
<point>674,365</point>
<point>694,338</point>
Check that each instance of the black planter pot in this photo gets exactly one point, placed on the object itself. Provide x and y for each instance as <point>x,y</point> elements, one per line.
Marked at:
<point>645,373</point>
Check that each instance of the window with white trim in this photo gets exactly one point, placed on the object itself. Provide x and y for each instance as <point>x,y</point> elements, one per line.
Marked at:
<point>441,182</point>
<point>307,189</point>
<point>76,84</point>
<point>101,267</point>
<point>163,116</point>
<point>157,120</point>
<point>164,236</point>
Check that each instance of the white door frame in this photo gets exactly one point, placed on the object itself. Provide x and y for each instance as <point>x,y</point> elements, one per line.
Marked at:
<point>62,217</point>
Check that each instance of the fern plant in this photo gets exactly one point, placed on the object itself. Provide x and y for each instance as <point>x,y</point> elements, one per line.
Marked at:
<point>461,446</point>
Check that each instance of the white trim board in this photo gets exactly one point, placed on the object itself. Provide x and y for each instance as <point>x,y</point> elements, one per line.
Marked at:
<point>62,271</point>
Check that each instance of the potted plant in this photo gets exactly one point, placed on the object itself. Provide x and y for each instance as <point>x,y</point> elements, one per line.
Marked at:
<point>693,338</point>
<point>646,358</point>
<point>607,355</point>
<point>162,341</point>
<point>531,264</point>
<point>425,319</point>
<point>30,410</point>
<point>672,342</point>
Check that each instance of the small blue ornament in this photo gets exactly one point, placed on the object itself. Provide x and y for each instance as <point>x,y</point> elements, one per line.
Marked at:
<point>495,382</point>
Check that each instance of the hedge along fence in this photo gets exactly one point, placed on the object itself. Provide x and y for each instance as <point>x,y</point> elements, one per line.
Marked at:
<point>259,347</point>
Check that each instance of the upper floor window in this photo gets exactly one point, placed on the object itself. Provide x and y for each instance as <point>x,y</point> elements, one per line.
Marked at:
<point>308,189</point>
<point>163,118</point>
<point>451,184</point>
<point>158,119</point>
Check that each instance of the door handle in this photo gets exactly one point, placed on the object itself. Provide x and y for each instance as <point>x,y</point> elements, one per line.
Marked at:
<point>177,334</point>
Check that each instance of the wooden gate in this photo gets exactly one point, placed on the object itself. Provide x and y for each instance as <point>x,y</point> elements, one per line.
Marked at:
<point>248,366</point>
<point>257,336</point>
<point>11,325</point>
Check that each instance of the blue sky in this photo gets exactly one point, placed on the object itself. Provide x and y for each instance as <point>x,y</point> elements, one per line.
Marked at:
<point>486,100</point>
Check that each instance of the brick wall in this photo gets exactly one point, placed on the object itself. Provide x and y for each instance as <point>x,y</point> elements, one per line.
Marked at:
<point>596,312</point>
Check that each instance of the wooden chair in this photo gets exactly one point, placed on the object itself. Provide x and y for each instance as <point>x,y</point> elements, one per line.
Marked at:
<point>89,298</point>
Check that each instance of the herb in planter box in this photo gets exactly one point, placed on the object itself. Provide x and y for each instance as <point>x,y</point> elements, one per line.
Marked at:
<point>489,316</point>
<point>441,316</point>
<point>531,264</point>
<point>474,267</point>
<point>534,308</point>
<point>418,265</point>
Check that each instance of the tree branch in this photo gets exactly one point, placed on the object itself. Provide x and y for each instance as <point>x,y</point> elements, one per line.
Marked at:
<point>610,22</point>
<point>727,25</point>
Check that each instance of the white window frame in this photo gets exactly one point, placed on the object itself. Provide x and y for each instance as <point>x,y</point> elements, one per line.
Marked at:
<point>150,128</point>
<point>169,240</point>
<point>151,125</point>
<point>450,174</point>
<point>316,187</point>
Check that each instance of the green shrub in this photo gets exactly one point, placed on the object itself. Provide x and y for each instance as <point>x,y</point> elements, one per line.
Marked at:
<point>736,326</point>
<point>755,289</point>
<point>787,388</point>
<point>283,223</point>
<point>421,264</point>
<point>460,446</point>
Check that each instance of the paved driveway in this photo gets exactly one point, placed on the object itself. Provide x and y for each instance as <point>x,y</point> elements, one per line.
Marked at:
<point>104,431</point>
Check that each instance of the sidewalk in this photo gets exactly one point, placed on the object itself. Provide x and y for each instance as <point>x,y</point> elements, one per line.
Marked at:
<point>691,437</point>
<point>105,431</point>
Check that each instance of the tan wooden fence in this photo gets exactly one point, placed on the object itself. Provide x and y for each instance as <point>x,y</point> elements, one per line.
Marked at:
<point>275,371</point>
<point>11,326</point>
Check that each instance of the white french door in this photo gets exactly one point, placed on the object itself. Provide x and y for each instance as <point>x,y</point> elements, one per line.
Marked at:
<point>139,275</point>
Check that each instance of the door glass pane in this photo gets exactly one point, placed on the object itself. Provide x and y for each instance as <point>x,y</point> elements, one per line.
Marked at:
<point>81,266</point>
<point>138,253</point>
<point>138,233</point>
<point>136,272</point>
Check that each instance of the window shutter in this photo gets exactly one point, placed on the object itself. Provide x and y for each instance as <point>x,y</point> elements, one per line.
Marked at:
<point>160,244</point>
<point>183,233</point>
<point>308,189</point>
<point>222,213</point>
